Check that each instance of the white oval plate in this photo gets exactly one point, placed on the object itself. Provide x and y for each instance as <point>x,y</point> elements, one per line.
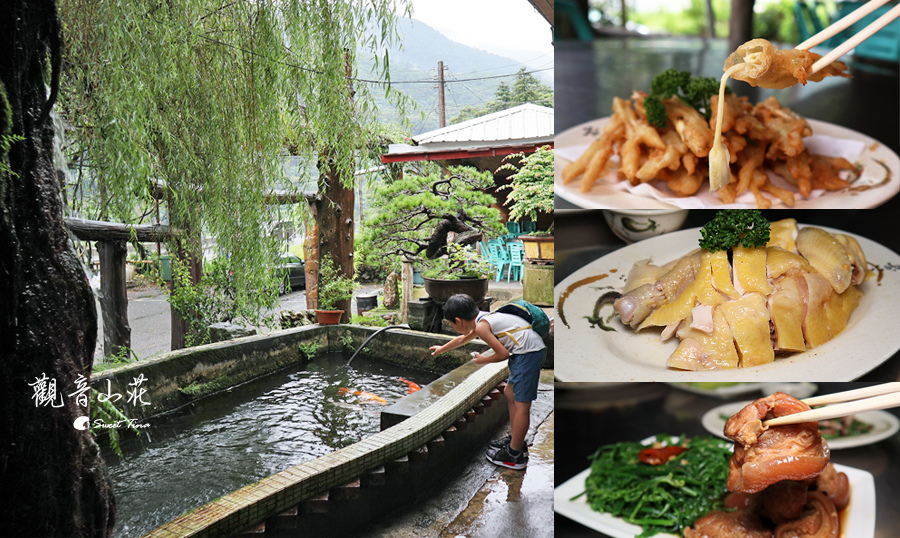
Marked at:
<point>608,192</point>
<point>591,354</point>
<point>884,425</point>
<point>858,519</point>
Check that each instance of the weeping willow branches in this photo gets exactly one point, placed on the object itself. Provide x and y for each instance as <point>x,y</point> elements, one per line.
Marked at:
<point>201,95</point>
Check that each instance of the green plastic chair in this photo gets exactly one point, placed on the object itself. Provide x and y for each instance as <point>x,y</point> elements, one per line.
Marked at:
<point>512,228</point>
<point>516,261</point>
<point>499,257</point>
<point>567,9</point>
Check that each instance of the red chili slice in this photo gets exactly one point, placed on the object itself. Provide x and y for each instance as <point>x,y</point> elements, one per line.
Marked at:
<point>658,456</point>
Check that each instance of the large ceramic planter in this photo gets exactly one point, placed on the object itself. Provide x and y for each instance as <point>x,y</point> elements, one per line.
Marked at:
<point>329,317</point>
<point>440,289</point>
<point>537,284</point>
<point>538,248</point>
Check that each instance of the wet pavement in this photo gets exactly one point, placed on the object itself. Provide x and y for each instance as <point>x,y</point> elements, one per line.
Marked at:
<point>491,501</point>
<point>514,503</point>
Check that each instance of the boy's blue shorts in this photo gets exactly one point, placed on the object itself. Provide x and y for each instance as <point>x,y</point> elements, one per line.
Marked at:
<point>524,374</point>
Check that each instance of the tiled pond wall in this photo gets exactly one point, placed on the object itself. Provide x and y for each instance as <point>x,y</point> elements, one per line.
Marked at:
<point>346,490</point>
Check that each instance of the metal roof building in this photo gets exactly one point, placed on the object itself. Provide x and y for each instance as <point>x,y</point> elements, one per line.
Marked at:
<point>520,129</point>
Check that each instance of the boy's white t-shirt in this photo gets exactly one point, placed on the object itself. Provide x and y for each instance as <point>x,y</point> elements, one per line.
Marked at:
<point>518,342</point>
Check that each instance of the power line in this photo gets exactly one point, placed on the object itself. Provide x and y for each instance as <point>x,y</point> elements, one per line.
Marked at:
<point>356,79</point>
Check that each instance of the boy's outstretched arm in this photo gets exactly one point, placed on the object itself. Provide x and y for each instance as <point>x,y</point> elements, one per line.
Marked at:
<point>453,344</point>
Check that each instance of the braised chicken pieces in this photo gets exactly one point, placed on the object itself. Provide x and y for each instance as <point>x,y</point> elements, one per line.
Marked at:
<point>782,481</point>
<point>762,456</point>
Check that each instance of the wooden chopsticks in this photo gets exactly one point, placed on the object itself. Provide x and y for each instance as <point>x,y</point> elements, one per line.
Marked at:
<point>882,396</point>
<point>854,41</point>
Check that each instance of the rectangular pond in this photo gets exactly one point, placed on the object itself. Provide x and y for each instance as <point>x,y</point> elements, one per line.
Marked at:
<point>227,440</point>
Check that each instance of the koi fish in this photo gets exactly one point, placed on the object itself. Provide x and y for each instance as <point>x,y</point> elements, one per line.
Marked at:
<point>412,386</point>
<point>362,394</point>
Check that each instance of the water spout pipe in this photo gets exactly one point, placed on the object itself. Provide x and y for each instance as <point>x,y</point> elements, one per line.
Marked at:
<point>373,335</point>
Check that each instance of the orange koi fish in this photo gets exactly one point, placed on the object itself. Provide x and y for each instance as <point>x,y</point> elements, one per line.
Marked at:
<point>362,394</point>
<point>412,386</point>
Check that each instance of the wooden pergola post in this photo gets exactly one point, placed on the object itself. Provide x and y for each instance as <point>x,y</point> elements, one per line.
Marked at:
<point>111,238</point>
<point>113,297</point>
<point>406,288</point>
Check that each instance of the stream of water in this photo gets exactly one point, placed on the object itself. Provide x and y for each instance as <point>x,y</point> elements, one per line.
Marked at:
<point>226,441</point>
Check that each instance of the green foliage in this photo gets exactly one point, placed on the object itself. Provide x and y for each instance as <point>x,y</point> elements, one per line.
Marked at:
<point>406,211</point>
<point>203,95</point>
<point>347,340</point>
<point>778,22</point>
<point>731,227</point>
<point>531,190</point>
<point>672,82</point>
<point>309,349</point>
<point>124,355</point>
<point>7,139</point>
<point>691,21</point>
<point>368,321</point>
<point>333,286</point>
<point>460,262</point>
<point>215,298</point>
<point>107,413</point>
<point>525,89</point>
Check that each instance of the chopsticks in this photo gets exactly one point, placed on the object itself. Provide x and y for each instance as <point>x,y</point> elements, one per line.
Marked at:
<point>854,41</point>
<point>856,401</point>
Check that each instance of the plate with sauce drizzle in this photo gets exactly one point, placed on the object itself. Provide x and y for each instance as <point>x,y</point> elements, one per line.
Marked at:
<point>593,345</point>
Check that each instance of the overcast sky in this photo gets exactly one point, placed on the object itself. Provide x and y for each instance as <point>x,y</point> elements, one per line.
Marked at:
<point>511,28</point>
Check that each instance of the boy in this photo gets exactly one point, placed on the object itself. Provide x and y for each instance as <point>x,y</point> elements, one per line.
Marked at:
<point>509,339</point>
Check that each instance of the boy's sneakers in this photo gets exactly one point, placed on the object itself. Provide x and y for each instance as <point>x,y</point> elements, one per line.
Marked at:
<point>504,442</point>
<point>504,458</point>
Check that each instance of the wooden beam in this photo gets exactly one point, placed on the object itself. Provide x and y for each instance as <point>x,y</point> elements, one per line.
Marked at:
<point>97,230</point>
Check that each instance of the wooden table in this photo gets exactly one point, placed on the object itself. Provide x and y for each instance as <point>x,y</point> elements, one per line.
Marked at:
<point>589,75</point>
<point>588,417</point>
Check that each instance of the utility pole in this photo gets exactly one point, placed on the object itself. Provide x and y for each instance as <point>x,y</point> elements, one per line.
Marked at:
<point>442,111</point>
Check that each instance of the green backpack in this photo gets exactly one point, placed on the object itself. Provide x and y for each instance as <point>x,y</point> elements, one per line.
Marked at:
<point>539,321</point>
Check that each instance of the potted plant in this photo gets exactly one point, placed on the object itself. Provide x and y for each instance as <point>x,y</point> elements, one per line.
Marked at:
<point>333,288</point>
<point>461,271</point>
<point>531,192</point>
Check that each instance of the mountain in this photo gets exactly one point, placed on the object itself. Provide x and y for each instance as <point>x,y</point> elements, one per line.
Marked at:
<point>423,47</point>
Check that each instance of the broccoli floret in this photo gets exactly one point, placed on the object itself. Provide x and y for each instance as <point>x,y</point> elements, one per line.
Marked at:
<point>731,227</point>
<point>668,83</point>
<point>699,90</point>
<point>656,111</point>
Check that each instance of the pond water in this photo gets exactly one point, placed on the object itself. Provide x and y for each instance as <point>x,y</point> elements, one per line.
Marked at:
<point>226,441</point>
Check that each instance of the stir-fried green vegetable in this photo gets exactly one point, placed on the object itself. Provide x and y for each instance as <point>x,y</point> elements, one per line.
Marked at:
<point>659,498</point>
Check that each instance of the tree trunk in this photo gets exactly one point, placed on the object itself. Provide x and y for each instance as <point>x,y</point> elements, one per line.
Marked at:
<point>741,24</point>
<point>311,251</point>
<point>55,481</point>
<point>335,217</point>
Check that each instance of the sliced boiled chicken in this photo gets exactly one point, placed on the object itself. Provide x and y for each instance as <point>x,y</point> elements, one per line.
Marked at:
<point>744,307</point>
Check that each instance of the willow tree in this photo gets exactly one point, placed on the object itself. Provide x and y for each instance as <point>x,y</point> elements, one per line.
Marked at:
<point>201,95</point>
<point>52,473</point>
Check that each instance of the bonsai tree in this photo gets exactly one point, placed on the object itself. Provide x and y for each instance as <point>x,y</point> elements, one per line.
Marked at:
<point>422,213</point>
<point>460,262</point>
<point>531,189</point>
<point>333,287</point>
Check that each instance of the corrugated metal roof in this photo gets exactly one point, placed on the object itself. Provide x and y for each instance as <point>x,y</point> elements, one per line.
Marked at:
<point>524,123</point>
